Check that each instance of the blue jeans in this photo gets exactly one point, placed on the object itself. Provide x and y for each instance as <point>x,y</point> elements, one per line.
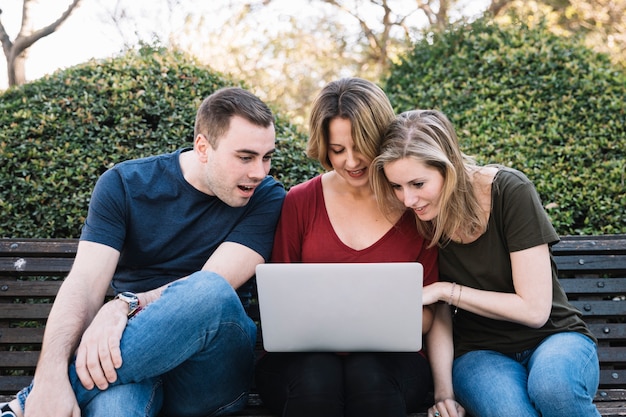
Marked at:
<point>190,353</point>
<point>558,378</point>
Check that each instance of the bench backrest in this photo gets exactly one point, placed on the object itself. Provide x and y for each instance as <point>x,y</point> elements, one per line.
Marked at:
<point>592,271</point>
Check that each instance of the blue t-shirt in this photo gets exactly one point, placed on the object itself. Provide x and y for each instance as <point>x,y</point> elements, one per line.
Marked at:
<point>166,229</point>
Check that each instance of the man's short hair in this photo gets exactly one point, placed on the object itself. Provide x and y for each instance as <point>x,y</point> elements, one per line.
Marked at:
<point>216,111</point>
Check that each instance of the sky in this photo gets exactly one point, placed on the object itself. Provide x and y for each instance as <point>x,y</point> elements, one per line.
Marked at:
<point>83,36</point>
<point>88,33</point>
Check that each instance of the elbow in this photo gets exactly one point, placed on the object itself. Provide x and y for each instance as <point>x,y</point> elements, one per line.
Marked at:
<point>537,319</point>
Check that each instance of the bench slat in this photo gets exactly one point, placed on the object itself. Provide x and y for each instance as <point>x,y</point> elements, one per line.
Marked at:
<point>615,355</point>
<point>25,311</point>
<point>13,383</point>
<point>30,289</point>
<point>593,285</point>
<point>21,336</point>
<point>42,247</point>
<point>36,266</point>
<point>601,308</point>
<point>608,330</point>
<point>609,377</point>
<point>615,244</point>
<point>591,263</point>
<point>17,360</point>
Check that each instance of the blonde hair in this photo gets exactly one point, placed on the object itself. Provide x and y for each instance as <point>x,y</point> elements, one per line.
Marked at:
<point>361,102</point>
<point>428,136</point>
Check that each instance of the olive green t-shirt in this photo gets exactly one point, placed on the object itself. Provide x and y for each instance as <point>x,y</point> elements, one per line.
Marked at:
<point>517,222</point>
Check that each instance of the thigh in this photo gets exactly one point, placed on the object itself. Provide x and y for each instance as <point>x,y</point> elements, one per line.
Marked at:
<point>564,375</point>
<point>140,399</point>
<point>490,384</point>
<point>216,380</point>
<point>390,384</point>
<point>299,384</point>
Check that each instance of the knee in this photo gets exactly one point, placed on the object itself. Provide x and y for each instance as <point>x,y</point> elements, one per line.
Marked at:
<point>208,291</point>
<point>558,393</point>
<point>318,374</point>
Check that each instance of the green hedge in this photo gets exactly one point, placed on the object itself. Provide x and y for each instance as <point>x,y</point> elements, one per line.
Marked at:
<point>58,134</point>
<point>527,99</point>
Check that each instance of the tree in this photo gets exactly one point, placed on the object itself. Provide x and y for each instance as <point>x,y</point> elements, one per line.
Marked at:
<point>602,23</point>
<point>16,51</point>
<point>390,33</point>
<point>285,63</point>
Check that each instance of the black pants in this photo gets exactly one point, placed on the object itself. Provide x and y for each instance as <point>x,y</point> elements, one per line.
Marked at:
<point>336,385</point>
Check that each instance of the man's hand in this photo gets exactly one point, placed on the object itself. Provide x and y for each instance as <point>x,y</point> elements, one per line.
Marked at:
<point>52,400</point>
<point>99,356</point>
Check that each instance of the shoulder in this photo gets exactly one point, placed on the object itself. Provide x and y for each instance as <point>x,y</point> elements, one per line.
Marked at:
<point>308,185</point>
<point>269,190</point>
<point>306,189</point>
<point>510,176</point>
<point>148,167</point>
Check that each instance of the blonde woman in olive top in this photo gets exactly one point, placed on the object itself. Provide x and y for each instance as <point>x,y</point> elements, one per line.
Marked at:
<point>520,349</point>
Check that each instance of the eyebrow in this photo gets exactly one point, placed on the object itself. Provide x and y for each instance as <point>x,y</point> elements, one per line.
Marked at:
<point>251,152</point>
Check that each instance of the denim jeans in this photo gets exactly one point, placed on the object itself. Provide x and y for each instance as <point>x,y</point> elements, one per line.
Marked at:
<point>190,353</point>
<point>558,378</point>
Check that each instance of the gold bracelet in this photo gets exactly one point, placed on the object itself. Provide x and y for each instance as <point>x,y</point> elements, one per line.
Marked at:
<point>451,294</point>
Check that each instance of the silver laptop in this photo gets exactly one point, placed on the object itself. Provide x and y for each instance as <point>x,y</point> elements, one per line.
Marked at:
<point>341,307</point>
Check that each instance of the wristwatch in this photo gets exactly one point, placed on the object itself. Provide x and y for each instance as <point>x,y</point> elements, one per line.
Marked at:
<point>132,300</point>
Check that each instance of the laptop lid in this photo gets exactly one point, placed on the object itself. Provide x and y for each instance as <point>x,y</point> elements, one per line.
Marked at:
<point>341,307</point>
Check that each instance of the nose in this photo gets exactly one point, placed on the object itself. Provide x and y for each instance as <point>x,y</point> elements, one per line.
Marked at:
<point>410,199</point>
<point>353,159</point>
<point>259,169</point>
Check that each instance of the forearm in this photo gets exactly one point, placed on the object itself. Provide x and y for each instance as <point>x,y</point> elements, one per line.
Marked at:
<point>440,351</point>
<point>70,315</point>
<point>427,318</point>
<point>495,305</point>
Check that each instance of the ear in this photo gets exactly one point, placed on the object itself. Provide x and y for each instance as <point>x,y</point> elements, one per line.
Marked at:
<point>201,147</point>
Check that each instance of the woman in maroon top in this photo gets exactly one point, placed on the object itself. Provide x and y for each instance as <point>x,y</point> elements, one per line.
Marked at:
<point>334,217</point>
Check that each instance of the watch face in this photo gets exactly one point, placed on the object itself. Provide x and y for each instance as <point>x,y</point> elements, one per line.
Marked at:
<point>130,298</point>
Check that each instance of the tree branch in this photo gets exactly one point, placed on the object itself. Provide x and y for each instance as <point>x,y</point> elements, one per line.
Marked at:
<point>25,39</point>
<point>5,39</point>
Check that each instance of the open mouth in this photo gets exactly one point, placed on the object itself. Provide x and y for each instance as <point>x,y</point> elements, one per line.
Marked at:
<point>246,188</point>
<point>356,173</point>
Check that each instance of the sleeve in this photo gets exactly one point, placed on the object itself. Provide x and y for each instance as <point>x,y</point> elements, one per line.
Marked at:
<point>429,260</point>
<point>256,228</point>
<point>289,231</point>
<point>106,217</point>
<point>525,222</point>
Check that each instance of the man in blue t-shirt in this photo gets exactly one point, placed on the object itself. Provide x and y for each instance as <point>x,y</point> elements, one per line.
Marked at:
<point>174,235</point>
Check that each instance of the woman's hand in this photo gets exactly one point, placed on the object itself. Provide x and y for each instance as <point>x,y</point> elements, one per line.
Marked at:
<point>432,293</point>
<point>446,408</point>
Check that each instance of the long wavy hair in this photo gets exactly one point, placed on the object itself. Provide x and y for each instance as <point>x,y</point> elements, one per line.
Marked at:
<point>428,136</point>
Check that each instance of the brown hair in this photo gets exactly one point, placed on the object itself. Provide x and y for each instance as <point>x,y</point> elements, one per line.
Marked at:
<point>361,102</point>
<point>216,111</point>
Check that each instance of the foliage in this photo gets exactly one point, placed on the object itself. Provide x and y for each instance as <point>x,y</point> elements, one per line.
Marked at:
<point>527,99</point>
<point>60,133</point>
<point>600,23</point>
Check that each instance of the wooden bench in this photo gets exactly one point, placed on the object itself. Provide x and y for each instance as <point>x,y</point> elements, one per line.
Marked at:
<point>592,271</point>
